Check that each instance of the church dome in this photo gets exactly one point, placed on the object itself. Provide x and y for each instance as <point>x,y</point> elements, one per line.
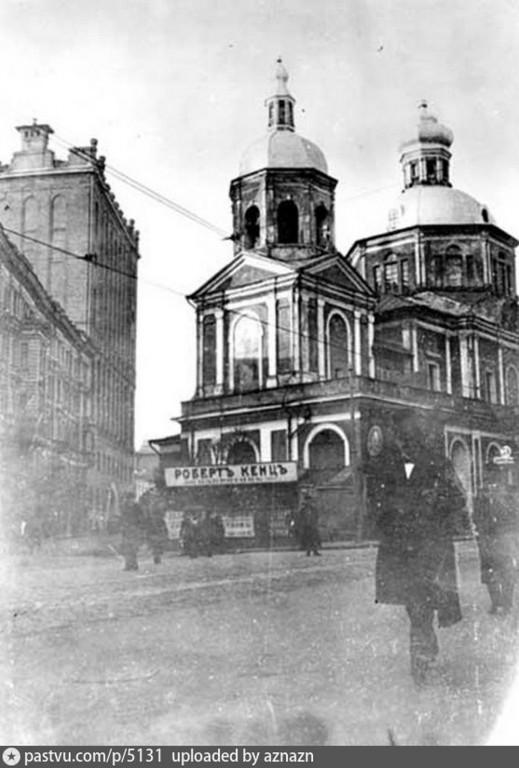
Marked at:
<point>428,130</point>
<point>282,149</point>
<point>437,205</point>
<point>281,146</point>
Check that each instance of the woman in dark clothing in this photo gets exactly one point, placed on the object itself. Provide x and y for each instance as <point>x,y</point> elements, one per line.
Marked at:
<point>418,499</point>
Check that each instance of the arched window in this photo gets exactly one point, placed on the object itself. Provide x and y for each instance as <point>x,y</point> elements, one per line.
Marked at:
<point>288,222</point>
<point>338,347</point>
<point>247,354</point>
<point>512,386</point>
<point>391,277</point>
<point>453,267</point>
<point>252,227</point>
<point>241,452</point>
<point>326,448</point>
<point>322,229</point>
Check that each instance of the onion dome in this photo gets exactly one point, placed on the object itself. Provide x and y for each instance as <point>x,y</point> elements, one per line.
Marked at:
<point>428,196</point>
<point>281,146</point>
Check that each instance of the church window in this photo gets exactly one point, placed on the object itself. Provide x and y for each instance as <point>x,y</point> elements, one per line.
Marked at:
<point>278,445</point>
<point>414,172</point>
<point>338,347</point>
<point>377,278</point>
<point>288,222</point>
<point>271,114</point>
<point>252,226</point>
<point>391,277</point>
<point>445,171</point>
<point>404,274</point>
<point>453,267</point>
<point>247,354</point>
<point>484,215</point>
<point>512,386</point>
<point>282,112</point>
<point>313,352</point>
<point>283,337</point>
<point>490,394</point>
<point>209,351</point>
<point>433,376</point>
<point>430,166</point>
<point>321,225</point>
<point>290,112</point>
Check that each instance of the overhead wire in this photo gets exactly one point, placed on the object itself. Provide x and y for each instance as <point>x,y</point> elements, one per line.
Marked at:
<point>92,259</point>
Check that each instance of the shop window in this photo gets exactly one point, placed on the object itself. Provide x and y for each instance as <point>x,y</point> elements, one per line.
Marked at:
<point>288,222</point>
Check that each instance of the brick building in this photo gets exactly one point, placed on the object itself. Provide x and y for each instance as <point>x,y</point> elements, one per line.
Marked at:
<point>63,216</point>
<point>304,354</point>
<point>46,436</point>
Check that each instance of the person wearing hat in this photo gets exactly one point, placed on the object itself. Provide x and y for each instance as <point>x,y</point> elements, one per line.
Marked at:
<point>417,512</point>
<point>308,521</point>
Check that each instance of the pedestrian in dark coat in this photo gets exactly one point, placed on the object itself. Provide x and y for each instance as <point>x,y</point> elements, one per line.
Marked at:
<point>156,529</point>
<point>419,504</point>
<point>308,525</point>
<point>133,531</point>
<point>497,525</point>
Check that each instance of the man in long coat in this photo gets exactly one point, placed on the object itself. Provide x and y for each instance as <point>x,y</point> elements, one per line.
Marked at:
<point>419,500</point>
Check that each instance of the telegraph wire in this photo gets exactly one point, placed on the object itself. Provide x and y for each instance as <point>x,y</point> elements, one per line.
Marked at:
<point>92,259</point>
<point>168,202</point>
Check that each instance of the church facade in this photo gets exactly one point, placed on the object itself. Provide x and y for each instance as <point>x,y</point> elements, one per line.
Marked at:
<point>305,354</point>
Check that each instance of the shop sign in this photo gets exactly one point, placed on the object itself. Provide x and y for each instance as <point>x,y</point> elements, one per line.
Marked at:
<point>232,474</point>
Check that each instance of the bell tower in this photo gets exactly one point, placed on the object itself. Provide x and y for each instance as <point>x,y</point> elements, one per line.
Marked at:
<point>283,200</point>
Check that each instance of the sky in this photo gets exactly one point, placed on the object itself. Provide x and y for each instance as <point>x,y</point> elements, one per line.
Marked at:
<point>174,92</point>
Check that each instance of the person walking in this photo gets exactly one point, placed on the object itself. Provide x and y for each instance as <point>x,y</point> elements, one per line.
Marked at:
<point>308,524</point>
<point>496,521</point>
<point>156,529</point>
<point>132,533</point>
<point>419,503</point>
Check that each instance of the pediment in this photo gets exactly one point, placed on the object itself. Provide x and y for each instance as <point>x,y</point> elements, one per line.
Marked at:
<point>338,272</point>
<point>246,269</point>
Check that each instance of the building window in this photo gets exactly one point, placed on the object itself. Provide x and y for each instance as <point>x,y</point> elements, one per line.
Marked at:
<point>283,337</point>
<point>512,386</point>
<point>377,278</point>
<point>247,354</point>
<point>288,222</point>
<point>209,351</point>
<point>252,226</point>
<point>433,376</point>
<point>391,277</point>
<point>453,267</point>
<point>322,231</point>
<point>490,386</point>
<point>338,347</point>
<point>404,274</point>
<point>278,445</point>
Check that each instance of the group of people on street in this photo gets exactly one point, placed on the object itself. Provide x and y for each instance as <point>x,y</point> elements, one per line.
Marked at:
<point>202,533</point>
<point>143,523</point>
<point>420,505</point>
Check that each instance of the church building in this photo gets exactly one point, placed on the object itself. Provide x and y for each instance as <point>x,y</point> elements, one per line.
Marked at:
<point>304,353</point>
